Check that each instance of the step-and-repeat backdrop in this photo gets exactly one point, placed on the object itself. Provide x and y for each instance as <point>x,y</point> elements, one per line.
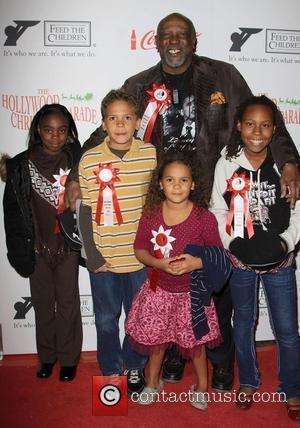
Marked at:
<point>73,53</point>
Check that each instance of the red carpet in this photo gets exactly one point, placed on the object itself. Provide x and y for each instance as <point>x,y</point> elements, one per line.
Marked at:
<point>28,402</point>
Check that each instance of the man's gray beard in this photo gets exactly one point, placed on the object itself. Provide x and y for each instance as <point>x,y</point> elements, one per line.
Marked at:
<point>173,64</point>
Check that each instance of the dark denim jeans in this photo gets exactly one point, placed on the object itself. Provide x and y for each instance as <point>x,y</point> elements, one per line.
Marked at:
<point>281,296</point>
<point>110,291</point>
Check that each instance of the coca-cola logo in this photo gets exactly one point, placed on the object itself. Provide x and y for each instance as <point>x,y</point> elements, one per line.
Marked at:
<point>146,41</point>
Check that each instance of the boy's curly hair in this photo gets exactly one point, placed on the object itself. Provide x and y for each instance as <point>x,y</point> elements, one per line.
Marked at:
<point>156,196</point>
<point>118,95</point>
<point>235,143</point>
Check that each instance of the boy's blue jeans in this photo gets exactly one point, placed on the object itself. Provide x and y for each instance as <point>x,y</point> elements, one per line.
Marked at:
<point>281,295</point>
<point>110,291</point>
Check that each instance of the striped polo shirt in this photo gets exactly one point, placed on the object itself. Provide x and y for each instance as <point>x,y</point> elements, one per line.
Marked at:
<point>115,243</point>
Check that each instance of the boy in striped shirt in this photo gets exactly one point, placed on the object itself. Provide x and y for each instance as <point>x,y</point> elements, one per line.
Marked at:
<point>114,178</point>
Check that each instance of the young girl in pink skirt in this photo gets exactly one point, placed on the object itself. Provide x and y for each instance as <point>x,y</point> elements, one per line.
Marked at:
<point>175,214</point>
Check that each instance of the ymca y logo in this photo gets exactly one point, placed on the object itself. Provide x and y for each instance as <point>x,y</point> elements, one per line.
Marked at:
<point>238,39</point>
<point>14,33</point>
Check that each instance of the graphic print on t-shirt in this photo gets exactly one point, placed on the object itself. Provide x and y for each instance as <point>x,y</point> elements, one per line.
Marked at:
<point>179,125</point>
<point>263,195</point>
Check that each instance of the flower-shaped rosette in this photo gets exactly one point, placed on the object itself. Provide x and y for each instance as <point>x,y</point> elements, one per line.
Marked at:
<point>162,241</point>
<point>238,184</point>
<point>106,175</point>
<point>160,94</point>
<point>61,179</point>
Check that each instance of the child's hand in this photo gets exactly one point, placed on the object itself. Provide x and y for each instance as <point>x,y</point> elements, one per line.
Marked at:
<point>72,193</point>
<point>167,265</point>
<point>186,263</point>
<point>103,268</point>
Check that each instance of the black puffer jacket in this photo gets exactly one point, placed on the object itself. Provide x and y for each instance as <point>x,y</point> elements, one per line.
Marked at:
<point>18,222</point>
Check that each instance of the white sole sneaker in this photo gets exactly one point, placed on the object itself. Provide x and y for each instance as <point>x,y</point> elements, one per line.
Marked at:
<point>198,399</point>
<point>149,395</point>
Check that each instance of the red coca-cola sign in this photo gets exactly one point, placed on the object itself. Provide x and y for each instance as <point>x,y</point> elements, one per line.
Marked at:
<point>148,40</point>
<point>145,42</point>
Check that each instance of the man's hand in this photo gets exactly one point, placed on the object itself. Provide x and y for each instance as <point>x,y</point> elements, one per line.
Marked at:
<point>289,182</point>
<point>72,193</point>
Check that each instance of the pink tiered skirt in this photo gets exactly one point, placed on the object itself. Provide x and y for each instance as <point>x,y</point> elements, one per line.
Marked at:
<point>159,319</point>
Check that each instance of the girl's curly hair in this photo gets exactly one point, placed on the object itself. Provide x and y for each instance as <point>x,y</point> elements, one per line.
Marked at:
<point>156,196</point>
<point>47,109</point>
<point>235,142</point>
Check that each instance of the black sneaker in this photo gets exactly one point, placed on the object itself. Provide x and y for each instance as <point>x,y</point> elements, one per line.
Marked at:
<point>222,379</point>
<point>135,381</point>
<point>173,369</point>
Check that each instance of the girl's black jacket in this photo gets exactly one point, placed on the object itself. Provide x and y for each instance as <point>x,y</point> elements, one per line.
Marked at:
<point>18,222</point>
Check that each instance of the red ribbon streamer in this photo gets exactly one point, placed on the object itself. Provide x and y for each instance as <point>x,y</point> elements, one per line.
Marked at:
<point>154,276</point>
<point>60,208</point>
<point>150,126</point>
<point>160,104</point>
<point>242,193</point>
<point>109,184</point>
